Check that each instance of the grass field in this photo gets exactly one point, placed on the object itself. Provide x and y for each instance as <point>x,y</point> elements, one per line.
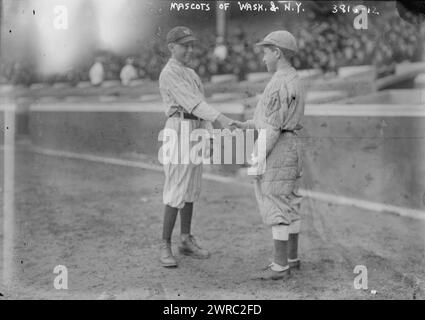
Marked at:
<point>103,222</point>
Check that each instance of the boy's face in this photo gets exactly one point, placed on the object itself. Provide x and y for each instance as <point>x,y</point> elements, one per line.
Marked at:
<point>270,58</point>
<point>182,52</point>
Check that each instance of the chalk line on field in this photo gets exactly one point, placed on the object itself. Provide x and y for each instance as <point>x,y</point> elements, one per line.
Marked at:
<point>320,196</point>
<point>364,204</point>
<point>8,196</point>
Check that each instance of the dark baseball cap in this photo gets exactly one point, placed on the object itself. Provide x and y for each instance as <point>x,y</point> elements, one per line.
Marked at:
<point>180,35</point>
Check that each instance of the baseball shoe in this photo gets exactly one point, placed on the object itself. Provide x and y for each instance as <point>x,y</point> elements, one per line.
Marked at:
<point>166,257</point>
<point>189,247</point>
<point>294,263</point>
<point>269,274</point>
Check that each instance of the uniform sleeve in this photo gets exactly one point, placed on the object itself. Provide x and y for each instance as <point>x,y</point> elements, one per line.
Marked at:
<point>180,90</point>
<point>276,108</point>
<point>293,90</point>
<point>204,111</point>
<point>198,82</point>
<point>250,123</point>
<point>268,139</point>
<point>276,114</point>
<point>295,109</point>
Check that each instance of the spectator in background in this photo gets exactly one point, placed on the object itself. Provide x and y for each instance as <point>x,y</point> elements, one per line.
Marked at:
<point>220,51</point>
<point>325,43</point>
<point>97,72</point>
<point>128,72</point>
<point>220,55</point>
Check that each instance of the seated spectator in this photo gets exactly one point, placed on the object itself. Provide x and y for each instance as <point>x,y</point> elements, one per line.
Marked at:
<point>220,51</point>
<point>97,72</point>
<point>327,42</point>
<point>128,72</point>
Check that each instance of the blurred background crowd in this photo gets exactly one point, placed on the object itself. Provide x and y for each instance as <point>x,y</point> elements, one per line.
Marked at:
<point>325,42</point>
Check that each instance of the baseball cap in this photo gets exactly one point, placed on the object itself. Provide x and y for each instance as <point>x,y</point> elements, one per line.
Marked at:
<point>180,35</point>
<point>281,39</point>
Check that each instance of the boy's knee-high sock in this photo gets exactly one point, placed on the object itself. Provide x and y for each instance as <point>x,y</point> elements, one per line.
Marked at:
<point>281,252</point>
<point>280,240</point>
<point>170,215</point>
<point>293,246</point>
<point>186,218</point>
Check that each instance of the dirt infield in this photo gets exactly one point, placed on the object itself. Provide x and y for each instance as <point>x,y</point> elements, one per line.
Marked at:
<point>103,223</point>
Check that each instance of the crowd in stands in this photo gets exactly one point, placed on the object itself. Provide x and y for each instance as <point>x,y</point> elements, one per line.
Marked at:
<point>330,44</point>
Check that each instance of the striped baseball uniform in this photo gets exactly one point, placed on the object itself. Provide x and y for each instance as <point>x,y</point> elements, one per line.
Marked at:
<point>279,111</point>
<point>182,91</point>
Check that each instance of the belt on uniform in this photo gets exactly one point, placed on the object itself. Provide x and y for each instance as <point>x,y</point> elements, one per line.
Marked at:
<point>298,127</point>
<point>186,115</point>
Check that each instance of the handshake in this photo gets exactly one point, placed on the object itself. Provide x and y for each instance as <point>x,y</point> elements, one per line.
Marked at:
<point>258,161</point>
<point>230,124</point>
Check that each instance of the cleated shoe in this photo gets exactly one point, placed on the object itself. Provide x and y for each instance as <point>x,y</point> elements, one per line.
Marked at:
<point>189,247</point>
<point>294,263</point>
<point>167,259</point>
<point>273,272</point>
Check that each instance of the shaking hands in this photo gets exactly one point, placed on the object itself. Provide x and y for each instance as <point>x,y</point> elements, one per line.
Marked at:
<point>239,124</point>
<point>225,122</point>
<point>231,124</point>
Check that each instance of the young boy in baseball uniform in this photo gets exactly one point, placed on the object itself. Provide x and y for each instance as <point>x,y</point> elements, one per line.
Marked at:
<point>183,95</point>
<point>279,112</point>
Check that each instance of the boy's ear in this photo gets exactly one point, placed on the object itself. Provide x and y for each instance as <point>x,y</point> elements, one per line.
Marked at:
<point>278,52</point>
<point>170,46</point>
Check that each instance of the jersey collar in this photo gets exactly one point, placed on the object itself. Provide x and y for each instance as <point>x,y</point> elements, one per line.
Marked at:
<point>175,61</point>
<point>288,71</point>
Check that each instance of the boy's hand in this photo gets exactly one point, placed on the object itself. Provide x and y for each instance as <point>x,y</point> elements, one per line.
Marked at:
<point>239,124</point>
<point>255,171</point>
<point>257,168</point>
<point>225,121</point>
